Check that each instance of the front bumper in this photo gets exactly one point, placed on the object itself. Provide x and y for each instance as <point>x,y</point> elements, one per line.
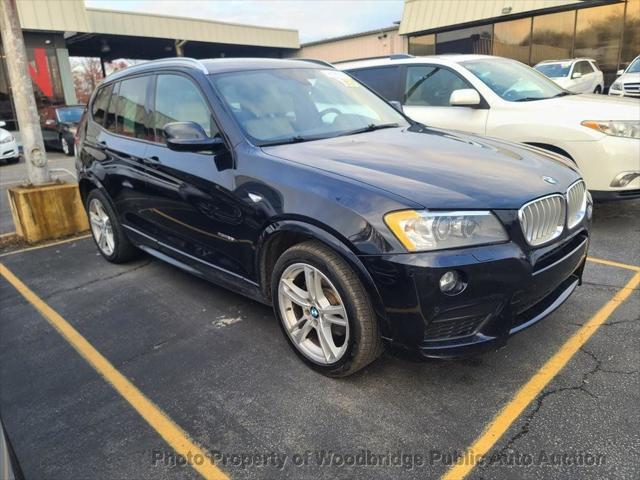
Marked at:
<point>9,150</point>
<point>508,289</point>
<point>602,160</point>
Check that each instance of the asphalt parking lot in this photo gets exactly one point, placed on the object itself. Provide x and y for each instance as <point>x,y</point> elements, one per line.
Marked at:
<point>219,368</point>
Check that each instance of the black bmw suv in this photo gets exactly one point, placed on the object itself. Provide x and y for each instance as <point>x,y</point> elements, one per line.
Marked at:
<point>296,185</point>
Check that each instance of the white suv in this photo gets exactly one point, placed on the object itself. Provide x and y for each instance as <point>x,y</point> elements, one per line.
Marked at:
<point>503,98</point>
<point>580,75</point>
<point>628,83</point>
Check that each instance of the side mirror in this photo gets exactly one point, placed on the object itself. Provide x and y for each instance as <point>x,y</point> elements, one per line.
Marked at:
<point>397,105</point>
<point>3,123</point>
<point>576,75</point>
<point>619,72</point>
<point>190,137</point>
<point>464,97</point>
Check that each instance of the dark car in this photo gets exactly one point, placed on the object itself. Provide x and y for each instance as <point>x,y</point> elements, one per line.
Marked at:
<point>294,184</point>
<point>59,125</point>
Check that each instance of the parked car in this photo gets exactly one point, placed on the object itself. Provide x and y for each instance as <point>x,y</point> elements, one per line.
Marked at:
<point>578,75</point>
<point>295,185</point>
<point>9,151</point>
<point>506,99</point>
<point>628,82</point>
<point>59,125</point>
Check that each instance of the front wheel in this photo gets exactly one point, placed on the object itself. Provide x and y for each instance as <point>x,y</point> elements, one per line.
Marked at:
<point>324,310</point>
<point>107,231</point>
<point>598,89</point>
<point>67,148</point>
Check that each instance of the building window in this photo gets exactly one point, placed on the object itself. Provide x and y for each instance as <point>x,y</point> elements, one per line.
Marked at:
<point>552,36</point>
<point>422,45</point>
<point>598,32</point>
<point>631,40</point>
<point>513,39</point>
<point>466,40</point>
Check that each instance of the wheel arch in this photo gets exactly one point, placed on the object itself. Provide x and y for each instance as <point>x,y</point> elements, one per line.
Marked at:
<point>281,235</point>
<point>551,148</point>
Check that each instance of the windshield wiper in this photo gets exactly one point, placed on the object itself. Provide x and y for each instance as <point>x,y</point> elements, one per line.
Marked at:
<point>371,127</point>
<point>531,99</point>
<point>287,141</point>
<point>562,94</point>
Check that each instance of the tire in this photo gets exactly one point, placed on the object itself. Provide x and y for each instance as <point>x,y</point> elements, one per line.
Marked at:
<point>598,89</point>
<point>67,148</point>
<point>120,249</point>
<point>362,343</point>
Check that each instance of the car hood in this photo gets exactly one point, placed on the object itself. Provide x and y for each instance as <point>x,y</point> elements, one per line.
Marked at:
<point>586,106</point>
<point>4,134</point>
<point>437,168</point>
<point>629,78</point>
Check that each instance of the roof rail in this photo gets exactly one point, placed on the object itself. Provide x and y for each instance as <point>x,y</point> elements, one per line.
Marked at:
<point>172,61</point>
<point>315,60</point>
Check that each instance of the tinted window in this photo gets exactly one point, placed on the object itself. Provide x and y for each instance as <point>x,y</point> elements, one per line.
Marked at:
<point>132,114</point>
<point>431,86</point>
<point>110,121</point>
<point>100,104</point>
<point>383,81</point>
<point>179,100</point>
<point>554,70</point>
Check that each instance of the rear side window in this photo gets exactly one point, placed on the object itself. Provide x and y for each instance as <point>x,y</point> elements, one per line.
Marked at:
<point>132,112</point>
<point>585,68</point>
<point>178,99</point>
<point>431,86</point>
<point>110,120</point>
<point>100,104</point>
<point>384,80</point>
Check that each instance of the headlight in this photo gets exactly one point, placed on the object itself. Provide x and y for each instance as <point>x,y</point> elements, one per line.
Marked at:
<point>616,86</point>
<point>7,139</point>
<point>423,230</point>
<point>615,128</point>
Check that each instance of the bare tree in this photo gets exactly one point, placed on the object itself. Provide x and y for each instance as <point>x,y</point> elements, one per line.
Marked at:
<point>87,73</point>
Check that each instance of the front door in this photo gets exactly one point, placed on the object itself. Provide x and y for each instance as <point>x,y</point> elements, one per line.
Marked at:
<point>428,89</point>
<point>192,209</point>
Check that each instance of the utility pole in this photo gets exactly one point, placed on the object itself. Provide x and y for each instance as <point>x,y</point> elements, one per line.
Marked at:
<point>23,98</point>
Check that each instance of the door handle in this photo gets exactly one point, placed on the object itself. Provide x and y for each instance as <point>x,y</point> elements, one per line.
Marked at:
<point>151,161</point>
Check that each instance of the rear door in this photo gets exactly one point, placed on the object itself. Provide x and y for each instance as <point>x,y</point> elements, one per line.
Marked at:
<point>123,144</point>
<point>193,211</point>
<point>582,84</point>
<point>427,90</point>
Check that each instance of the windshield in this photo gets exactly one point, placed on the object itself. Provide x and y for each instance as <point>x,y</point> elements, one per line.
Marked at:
<point>554,70</point>
<point>634,67</point>
<point>513,81</point>
<point>69,114</point>
<point>298,104</point>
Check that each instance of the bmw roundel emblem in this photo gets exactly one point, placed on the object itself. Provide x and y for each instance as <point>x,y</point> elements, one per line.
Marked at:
<point>550,180</point>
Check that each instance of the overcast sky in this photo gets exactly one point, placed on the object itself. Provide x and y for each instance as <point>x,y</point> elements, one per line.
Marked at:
<point>314,19</point>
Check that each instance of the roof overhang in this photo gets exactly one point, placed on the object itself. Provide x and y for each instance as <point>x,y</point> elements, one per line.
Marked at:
<point>73,16</point>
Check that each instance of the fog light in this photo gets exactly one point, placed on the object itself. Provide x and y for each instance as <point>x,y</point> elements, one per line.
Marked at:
<point>625,178</point>
<point>450,282</point>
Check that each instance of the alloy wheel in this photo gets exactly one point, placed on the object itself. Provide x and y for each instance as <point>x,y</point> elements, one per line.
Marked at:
<point>65,145</point>
<point>313,314</point>
<point>101,227</point>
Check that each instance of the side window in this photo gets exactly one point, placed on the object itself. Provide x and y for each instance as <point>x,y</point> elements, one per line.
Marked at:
<point>431,86</point>
<point>382,80</point>
<point>100,104</point>
<point>132,113</point>
<point>179,100</point>
<point>110,119</point>
<point>586,68</point>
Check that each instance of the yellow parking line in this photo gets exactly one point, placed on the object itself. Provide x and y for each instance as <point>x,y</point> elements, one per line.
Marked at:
<point>512,410</point>
<point>155,417</point>
<point>611,263</point>
<point>45,245</point>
